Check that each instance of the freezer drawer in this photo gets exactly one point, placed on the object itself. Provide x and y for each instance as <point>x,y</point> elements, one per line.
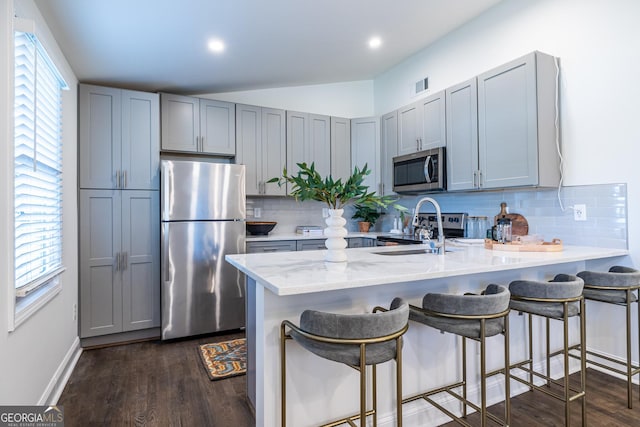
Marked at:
<point>201,293</point>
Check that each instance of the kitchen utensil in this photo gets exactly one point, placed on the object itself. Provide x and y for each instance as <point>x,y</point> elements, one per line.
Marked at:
<point>519,224</point>
<point>260,228</point>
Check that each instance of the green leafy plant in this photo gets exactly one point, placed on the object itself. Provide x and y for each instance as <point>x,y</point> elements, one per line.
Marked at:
<point>307,184</point>
<point>366,213</point>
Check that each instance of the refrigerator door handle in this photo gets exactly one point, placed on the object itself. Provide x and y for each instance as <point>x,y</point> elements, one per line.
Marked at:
<point>165,252</point>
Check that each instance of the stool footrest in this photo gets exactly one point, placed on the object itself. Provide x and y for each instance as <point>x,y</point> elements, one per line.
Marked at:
<point>544,388</point>
<point>349,420</point>
<point>449,390</point>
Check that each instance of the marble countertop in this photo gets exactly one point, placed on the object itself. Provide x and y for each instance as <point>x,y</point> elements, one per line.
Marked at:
<point>291,273</point>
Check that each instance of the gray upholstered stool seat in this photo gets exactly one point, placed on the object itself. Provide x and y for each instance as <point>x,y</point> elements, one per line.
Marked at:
<point>611,286</point>
<point>495,299</point>
<point>560,299</point>
<point>356,340</point>
<point>544,298</point>
<point>475,317</point>
<point>618,286</point>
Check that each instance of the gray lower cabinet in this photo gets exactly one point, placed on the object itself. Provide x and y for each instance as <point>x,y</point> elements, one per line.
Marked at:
<point>310,245</point>
<point>119,138</point>
<point>303,245</point>
<point>119,261</point>
<point>274,246</point>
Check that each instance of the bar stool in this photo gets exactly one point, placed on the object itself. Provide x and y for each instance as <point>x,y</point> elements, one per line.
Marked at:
<point>559,299</point>
<point>475,317</point>
<point>356,340</point>
<point>615,287</point>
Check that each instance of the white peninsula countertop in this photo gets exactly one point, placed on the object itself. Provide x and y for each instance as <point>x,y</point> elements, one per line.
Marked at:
<point>293,273</point>
<point>281,285</point>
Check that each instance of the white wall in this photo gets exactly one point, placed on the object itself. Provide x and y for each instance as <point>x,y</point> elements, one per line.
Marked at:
<point>34,355</point>
<point>597,43</point>
<point>347,99</point>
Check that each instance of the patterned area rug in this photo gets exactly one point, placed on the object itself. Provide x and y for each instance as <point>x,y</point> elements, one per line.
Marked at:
<point>224,359</point>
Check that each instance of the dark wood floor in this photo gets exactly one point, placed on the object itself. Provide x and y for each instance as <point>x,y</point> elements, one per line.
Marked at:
<point>163,384</point>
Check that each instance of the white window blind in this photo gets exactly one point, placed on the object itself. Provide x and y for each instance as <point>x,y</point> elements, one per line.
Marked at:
<point>37,166</point>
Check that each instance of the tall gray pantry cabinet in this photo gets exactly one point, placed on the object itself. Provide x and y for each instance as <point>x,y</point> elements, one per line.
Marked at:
<point>119,144</point>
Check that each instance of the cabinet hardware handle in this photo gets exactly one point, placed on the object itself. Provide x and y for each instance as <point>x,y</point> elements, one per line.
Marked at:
<point>125,260</point>
<point>124,179</point>
<point>475,175</point>
<point>417,144</point>
<point>117,179</point>
<point>116,261</point>
<point>202,143</point>
<point>479,179</point>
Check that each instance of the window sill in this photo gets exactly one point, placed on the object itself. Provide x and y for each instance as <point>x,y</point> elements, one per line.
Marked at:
<point>27,306</point>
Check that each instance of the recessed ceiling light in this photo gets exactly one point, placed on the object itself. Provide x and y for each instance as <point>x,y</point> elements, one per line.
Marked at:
<point>375,42</point>
<point>216,45</point>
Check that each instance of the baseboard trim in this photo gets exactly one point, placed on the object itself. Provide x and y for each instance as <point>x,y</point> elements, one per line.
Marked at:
<point>56,385</point>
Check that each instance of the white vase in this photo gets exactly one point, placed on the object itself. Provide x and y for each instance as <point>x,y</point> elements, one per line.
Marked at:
<point>335,233</point>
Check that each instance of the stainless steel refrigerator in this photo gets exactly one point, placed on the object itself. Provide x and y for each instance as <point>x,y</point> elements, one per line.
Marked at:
<point>203,219</point>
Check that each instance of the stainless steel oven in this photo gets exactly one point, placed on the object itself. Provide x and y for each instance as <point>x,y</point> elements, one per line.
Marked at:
<point>420,172</point>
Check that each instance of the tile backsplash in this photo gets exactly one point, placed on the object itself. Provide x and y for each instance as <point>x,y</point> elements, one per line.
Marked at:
<point>549,212</point>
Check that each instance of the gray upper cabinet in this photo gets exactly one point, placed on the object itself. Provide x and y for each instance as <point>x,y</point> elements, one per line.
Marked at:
<point>309,141</point>
<point>261,147</point>
<point>119,261</point>
<point>408,129</point>
<point>516,124</point>
<point>119,138</point>
<point>462,136</point>
<point>340,148</point>
<point>433,131</point>
<point>196,125</point>
<point>501,127</point>
<point>389,149</point>
<point>365,149</point>
<point>421,124</point>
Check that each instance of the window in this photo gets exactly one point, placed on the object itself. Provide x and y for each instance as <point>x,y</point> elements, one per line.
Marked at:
<point>37,168</point>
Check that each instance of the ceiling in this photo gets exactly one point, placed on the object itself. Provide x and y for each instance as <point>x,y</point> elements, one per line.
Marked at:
<point>161,45</point>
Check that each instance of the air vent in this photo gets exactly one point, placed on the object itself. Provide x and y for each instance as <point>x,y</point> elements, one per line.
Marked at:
<point>421,85</point>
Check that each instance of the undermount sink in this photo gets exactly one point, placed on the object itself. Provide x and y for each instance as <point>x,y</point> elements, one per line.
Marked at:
<point>413,252</point>
<point>406,252</point>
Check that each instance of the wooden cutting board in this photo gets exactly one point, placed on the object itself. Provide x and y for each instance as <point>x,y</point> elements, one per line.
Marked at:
<point>519,224</point>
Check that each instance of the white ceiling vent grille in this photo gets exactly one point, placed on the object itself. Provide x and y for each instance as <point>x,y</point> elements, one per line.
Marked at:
<point>421,85</point>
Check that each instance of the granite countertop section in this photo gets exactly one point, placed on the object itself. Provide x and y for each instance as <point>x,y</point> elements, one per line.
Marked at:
<point>291,273</point>
<point>295,236</point>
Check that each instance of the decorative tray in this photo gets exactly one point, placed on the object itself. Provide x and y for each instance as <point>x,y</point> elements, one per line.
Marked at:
<point>553,246</point>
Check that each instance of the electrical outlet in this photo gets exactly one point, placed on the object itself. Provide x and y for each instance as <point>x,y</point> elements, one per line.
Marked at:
<point>580,212</point>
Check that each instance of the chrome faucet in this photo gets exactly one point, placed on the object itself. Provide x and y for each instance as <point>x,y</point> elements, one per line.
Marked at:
<point>416,223</point>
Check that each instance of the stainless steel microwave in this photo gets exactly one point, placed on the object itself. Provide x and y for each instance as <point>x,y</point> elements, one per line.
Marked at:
<point>420,172</point>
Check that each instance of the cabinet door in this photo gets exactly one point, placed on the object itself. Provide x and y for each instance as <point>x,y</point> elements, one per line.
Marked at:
<point>433,123</point>
<point>340,148</point>
<point>310,245</point>
<point>389,147</point>
<point>365,149</point>
<point>100,140</point>
<point>141,260</point>
<point>249,146</point>
<point>217,127</point>
<point>320,141</point>
<point>275,246</point>
<point>507,123</point>
<point>408,128</point>
<point>180,122</point>
<point>309,141</point>
<point>355,242</point>
<point>274,150</point>
<point>140,140</point>
<point>462,136</point>
<point>100,271</point>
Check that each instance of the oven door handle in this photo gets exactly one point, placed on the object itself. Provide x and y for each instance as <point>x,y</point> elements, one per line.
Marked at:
<point>428,169</point>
